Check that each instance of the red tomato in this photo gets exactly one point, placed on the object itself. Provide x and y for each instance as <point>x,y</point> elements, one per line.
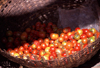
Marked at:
<point>54,36</point>
<point>64,54</point>
<point>35,52</point>
<point>85,31</point>
<point>71,37</point>
<point>38,47</point>
<point>65,37</point>
<point>56,44</point>
<point>77,48</point>
<point>62,35</point>
<point>89,34</point>
<point>43,45</point>
<point>16,50</point>
<point>84,41</point>
<point>51,41</point>
<point>26,51</point>
<point>61,39</point>
<point>30,48</point>
<point>21,48</point>
<point>83,36</point>
<point>42,34</point>
<point>24,36</point>
<point>52,49</point>
<point>12,52</point>
<point>43,25</point>
<point>77,28</point>
<point>69,45</point>
<point>10,39</point>
<point>67,29</point>
<point>40,40</point>
<point>26,45</point>
<point>9,49</point>
<point>32,57</point>
<point>28,30</point>
<point>36,43</point>
<point>47,44</point>
<point>73,41</point>
<point>54,54</point>
<point>38,24</point>
<point>51,57</point>
<point>50,24</point>
<point>85,45</point>
<point>78,44</point>
<point>46,40</point>
<point>20,52</point>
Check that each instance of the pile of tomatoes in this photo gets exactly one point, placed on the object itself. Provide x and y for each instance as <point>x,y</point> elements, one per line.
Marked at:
<point>51,42</point>
<point>38,31</point>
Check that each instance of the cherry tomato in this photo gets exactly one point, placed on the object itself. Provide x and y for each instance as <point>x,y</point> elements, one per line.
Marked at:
<point>58,50</point>
<point>40,40</point>
<point>79,31</point>
<point>41,52</point>
<point>85,31</point>
<point>54,54</point>
<point>50,24</point>
<point>12,52</point>
<point>26,51</point>
<point>73,41</point>
<point>52,49</point>
<point>77,37</point>
<point>47,49</point>
<point>62,35</point>
<point>26,45</point>
<point>36,42</point>
<point>34,52</point>
<point>64,54</point>
<point>21,48</point>
<point>46,56</point>
<point>61,39</point>
<point>46,40</point>
<point>65,37</point>
<point>93,30</point>
<point>47,44</point>
<point>77,48</point>
<point>69,45</point>
<point>39,47</point>
<point>64,43</point>
<point>34,46</point>
<point>51,41</point>
<point>16,50</point>
<point>66,30</point>
<point>20,52</point>
<point>71,37</point>
<point>9,49</point>
<point>77,28</point>
<point>54,36</point>
<point>89,34</point>
<point>43,45</point>
<point>51,57</point>
<point>30,48</point>
<point>38,24</point>
<point>28,30</point>
<point>83,36</point>
<point>85,45</point>
<point>42,34</point>
<point>24,36</point>
<point>32,57</point>
<point>84,40</point>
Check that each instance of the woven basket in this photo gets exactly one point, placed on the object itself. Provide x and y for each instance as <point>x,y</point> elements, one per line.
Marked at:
<point>21,20</point>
